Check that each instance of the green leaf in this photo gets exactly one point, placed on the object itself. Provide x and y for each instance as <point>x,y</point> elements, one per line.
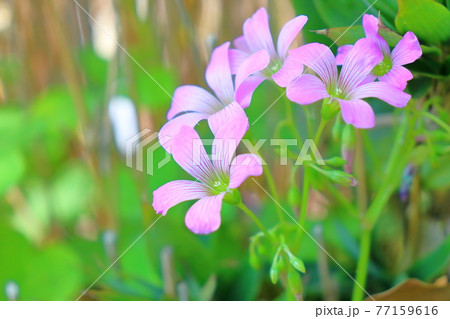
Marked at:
<point>429,20</point>
<point>434,263</point>
<point>12,169</point>
<point>349,35</point>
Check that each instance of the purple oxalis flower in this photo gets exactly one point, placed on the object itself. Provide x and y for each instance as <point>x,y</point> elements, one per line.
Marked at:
<point>390,69</point>
<point>350,87</point>
<point>257,37</point>
<point>192,104</point>
<point>216,178</point>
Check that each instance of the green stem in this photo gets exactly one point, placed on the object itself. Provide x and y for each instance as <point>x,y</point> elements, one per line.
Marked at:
<point>363,265</point>
<point>258,223</point>
<point>437,121</point>
<point>305,196</point>
<point>319,130</point>
<point>403,145</point>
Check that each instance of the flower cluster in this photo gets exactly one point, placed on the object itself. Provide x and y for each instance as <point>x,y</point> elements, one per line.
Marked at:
<point>366,69</point>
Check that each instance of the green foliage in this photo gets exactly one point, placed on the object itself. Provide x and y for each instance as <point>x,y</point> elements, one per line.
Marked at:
<point>429,20</point>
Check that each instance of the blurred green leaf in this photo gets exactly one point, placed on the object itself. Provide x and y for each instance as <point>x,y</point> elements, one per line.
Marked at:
<point>429,20</point>
<point>71,192</point>
<point>433,264</point>
<point>12,169</point>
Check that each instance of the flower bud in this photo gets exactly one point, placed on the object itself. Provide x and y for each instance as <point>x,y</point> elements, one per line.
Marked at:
<point>342,178</point>
<point>336,161</point>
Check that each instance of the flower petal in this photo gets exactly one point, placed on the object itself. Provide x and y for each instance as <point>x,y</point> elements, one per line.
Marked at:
<point>189,98</point>
<point>241,44</point>
<point>407,50</point>
<point>228,136</point>
<point>342,52</point>
<point>306,90</point>
<point>236,58</point>
<point>358,113</point>
<point>245,91</point>
<point>172,128</point>
<point>370,25</point>
<point>383,91</point>
<point>358,63</point>
<point>257,32</point>
<point>244,166</point>
<point>319,58</point>
<point>256,62</point>
<point>218,74</point>
<point>175,192</point>
<point>188,151</point>
<point>288,34</point>
<point>204,216</point>
<point>220,119</point>
<point>397,76</point>
<point>291,69</point>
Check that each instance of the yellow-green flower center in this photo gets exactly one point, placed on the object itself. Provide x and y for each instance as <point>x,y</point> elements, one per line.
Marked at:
<point>383,67</point>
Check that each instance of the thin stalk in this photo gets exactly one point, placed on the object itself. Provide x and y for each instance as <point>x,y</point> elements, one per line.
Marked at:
<point>258,223</point>
<point>403,146</point>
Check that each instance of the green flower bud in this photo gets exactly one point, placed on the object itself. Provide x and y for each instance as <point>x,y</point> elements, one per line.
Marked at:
<point>342,178</point>
<point>336,161</point>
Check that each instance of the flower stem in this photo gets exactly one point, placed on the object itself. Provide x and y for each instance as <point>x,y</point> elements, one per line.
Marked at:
<point>258,223</point>
<point>403,145</point>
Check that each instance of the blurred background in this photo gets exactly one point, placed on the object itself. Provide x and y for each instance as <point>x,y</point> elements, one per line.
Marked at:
<point>77,79</point>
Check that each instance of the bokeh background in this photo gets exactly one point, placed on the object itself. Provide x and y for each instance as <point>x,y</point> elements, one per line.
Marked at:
<point>70,206</point>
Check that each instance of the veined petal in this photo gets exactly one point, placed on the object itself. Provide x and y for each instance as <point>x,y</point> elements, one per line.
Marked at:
<point>407,50</point>
<point>288,34</point>
<point>251,65</point>
<point>189,152</point>
<point>167,133</point>
<point>397,76</point>
<point>370,25</point>
<point>241,44</point>
<point>236,58</point>
<point>204,216</point>
<point>220,119</point>
<point>358,63</point>
<point>188,98</point>
<point>257,32</point>
<point>319,58</point>
<point>228,137</point>
<point>342,52</point>
<point>358,113</point>
<point>218,74</point>
<point>245,91</point>
<point>244,166</point>
<point>175,192</point>
<point>291,69</point>
<point>383,91</point>
<point>306,90</point>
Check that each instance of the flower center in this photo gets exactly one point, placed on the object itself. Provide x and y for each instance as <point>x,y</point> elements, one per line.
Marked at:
<point>219,184</point>
<point>383,67</point>
<point>273,67</point>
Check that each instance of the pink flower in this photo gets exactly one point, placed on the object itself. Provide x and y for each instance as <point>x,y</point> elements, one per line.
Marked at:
<point>350,87</point>
<point>257,37</point>
<point>192,104</point>
<point>215,178</point>
<point>390,69</point>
